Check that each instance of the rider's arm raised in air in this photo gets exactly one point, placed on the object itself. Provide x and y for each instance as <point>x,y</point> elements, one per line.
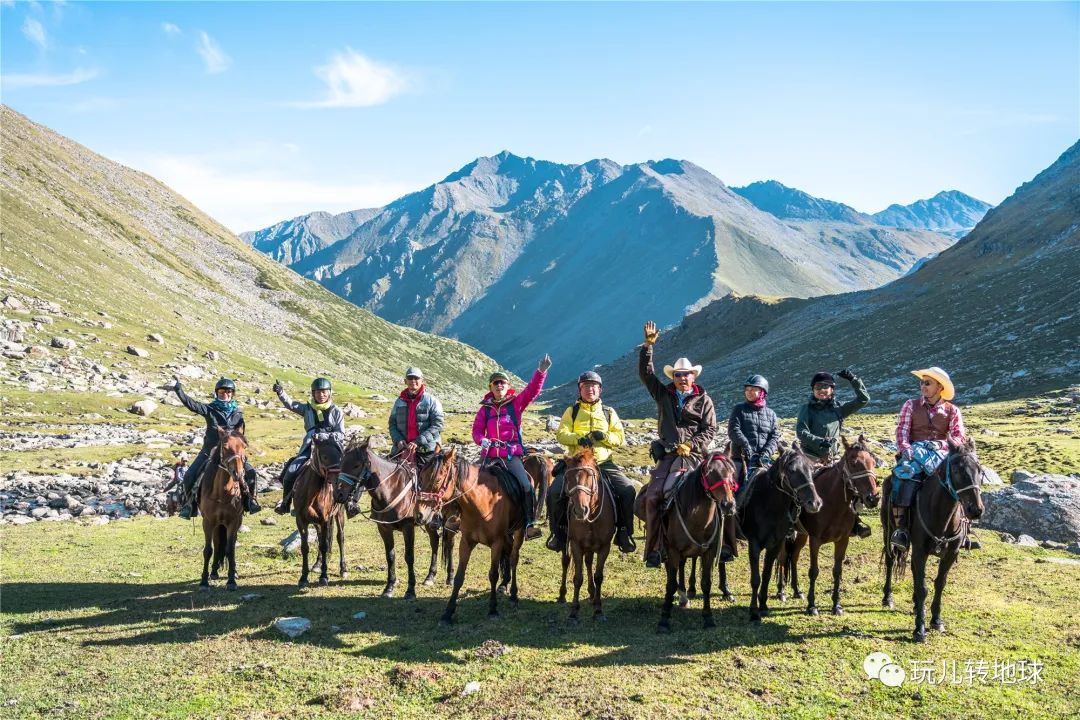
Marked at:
<point>526,396</point>
<point>616,436</point>
<point>773,440</point>
<point>706,429</point>
<point>739,443</point>
<point>565,433</point>
<point>862,399</point>
<point>648,373</point>
<point>194,406</point>
<point>438,421</point>
<point>296,407</point>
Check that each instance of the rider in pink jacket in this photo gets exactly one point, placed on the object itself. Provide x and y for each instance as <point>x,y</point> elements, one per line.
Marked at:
<point>497,430</point>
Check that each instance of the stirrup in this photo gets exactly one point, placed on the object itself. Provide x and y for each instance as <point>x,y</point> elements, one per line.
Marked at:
<point>532,532</point>
<point>626,544</point>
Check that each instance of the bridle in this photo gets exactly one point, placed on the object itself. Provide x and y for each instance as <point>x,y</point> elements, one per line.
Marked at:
<point>228,463</point>
<point>947,484</point>
<point>850,477</point>
<point>364,478</point>
<point>591,490</point>
<point>436,499</point>
<point>326,472</point>
<point>721,516</point>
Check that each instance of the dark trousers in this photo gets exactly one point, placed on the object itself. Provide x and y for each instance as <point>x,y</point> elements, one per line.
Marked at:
<point>199,463</point>
<point>621,487</point>
<point>513,464</point>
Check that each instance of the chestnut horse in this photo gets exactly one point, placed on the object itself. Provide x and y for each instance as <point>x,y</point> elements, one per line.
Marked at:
<point>392,487</point>
<point>768,509</point>
<point>313,499</point>
<point>939,520</point>
<point>693,527</point>
<point>488,517</point>
<point>221,506</point>
<point>850,478</point>
<point>590,529</point>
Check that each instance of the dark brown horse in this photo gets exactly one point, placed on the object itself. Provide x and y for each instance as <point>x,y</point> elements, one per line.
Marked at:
<point>851,477</point>
<point>313,500</point>
<point>539,466</point>
<point>590,529</point>
<point>693,527</point>
<point>221,506</point>
<point>768,509</point>
<point>940,515</point>
<point>488,517</point>
<point>392,487</point>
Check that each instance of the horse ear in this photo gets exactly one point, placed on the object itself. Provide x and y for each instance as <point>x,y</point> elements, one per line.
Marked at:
<point>844,442</point>
<point>796,446</point>
<point>969,445</point>
<point>862,439</point>
<point>783,446</point>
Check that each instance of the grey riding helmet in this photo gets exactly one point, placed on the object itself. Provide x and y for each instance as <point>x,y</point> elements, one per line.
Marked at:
<point>590,376</point>
<point>321,384</point>
<point>757,381</point>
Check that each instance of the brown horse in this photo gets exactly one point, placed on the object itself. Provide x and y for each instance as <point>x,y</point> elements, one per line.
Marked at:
<point>693,527</point>
<point>392,487</point>
<point>950,498</point>
<point>590,529</point>
<point>313,500</point>
<point>539,466</point>
<point>221,506</point>
<point>488,517</point>
<point>768,508</point>
<point>850,478</point>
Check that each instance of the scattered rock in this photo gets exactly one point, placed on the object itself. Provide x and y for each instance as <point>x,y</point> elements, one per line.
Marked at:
<point>292,626</point>
<point>1043,506</point>
<point>491,649</point>
<point>137,351</point>
<point>211,355</point>
<point>1027,541</point>
<point>1021,475</point>
<point>143,407</point>
<point>553,423</point>
<point>244,528</point>
<point>1065,430</point>
<point>471,688</point>
<point>378,398</point>
<point>335,628</point>
<point>249,597</point>
<point>352,411</point>
<point>62,343</point>
<point>268,521</point>
<point>1051,545</point>
<point>359,616</point>
<point>155,338</point>
<point>990,476</point>
<point>291,544</point>
<point>190,371</point>
<point>13,303</point>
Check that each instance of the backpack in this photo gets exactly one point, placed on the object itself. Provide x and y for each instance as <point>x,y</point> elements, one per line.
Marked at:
<point>577,407</point>
<point>512,412</point>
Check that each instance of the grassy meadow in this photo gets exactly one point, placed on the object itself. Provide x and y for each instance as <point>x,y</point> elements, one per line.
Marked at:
<point>105,621</point>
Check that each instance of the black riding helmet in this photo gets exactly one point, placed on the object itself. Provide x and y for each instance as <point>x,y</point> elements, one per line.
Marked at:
<point>757,381</point>
<point>321,384</point>
<point>590,376</point>
<point>225,384</point>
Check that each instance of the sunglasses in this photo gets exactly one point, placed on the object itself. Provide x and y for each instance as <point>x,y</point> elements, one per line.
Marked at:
<point>222,391</point>
<point>927,382</point>
<point>682,374</point>
<point>823,386</point>
<point>499,382</point>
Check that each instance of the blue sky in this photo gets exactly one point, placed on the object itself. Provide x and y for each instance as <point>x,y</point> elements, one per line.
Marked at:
<point>262,111</point>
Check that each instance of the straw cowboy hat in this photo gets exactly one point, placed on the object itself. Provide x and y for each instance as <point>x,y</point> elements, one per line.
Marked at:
<point>682,364</point>
<point>936,373</point>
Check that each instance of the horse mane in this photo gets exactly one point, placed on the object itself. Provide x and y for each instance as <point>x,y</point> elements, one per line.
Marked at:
<point>585,456</point>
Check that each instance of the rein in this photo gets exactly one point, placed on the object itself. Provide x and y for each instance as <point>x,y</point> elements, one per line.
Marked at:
<point>946,483</point>
<point>366,475</point>
<point>594,472</point>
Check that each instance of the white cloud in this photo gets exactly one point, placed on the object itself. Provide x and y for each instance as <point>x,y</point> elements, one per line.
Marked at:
<point>35,32</point>
<point>355,80</point>
<point>170,29</point>
<point>213,56</point>
<point>254,199</point>
<point>81,75</point>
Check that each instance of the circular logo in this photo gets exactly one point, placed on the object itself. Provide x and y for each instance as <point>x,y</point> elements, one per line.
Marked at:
<point>892,675</point>
<point>874,662</point>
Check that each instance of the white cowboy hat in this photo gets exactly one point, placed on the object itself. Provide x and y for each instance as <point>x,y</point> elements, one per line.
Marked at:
<point>942,377</point>
<point>682,364</point>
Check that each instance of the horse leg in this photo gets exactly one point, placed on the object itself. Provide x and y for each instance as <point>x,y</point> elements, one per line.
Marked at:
<point>684,600</point>
<point>671,566</point>
<point>839,553</point>
<point>766,572</point>
<point>409,533</point>
<point>725,593</point>
<point>781,572</point>
<point>448,554</point>
<point>565,568</point>
<point>947,560</point>
<point>691,590</point>
<point>219,551</point>
<point>706,589</point>
<point>598,581</point>
<point>918,581</point>
<point>886,595</point>
<point>387,534</point>
<point>230,555</point>
<point>793,565</point>
<point>493,577</point>
<point>322,530</point>
<point>589,573</point>
<point>433,539</point>
<point>304,552</point>
<point>754,552</point>
<point>343,569</point>
<point>208,550</point>
<point>465,550</point>
<point>579,561</point>
<point>504,572</point>
<point>515,555</point>
<point>811,595</point>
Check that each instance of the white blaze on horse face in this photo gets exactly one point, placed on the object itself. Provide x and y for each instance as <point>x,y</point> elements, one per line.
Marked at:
<point>874,662</point>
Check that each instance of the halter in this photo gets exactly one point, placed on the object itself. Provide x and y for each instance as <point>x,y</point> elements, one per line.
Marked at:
<point>592,471</point>
<point>365,475</point>
<point>323,471</point>
<point>850,477</point>
<point>435,499</point>
<point>947,484</point>
<point>723,481</point>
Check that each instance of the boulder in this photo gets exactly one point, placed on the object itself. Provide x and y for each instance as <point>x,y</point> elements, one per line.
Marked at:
<point>190,371</point>
<point>352,411</point>
<point>211,355</point>
<point>292,626</point>
<point>62,343</point>
<point>1019,475</point>
<point>291,544</point>
<point>155,338</point>
<point>990,477</point>
<point>13,303</point>
<point>1044,506</point>
<point>143,407</point>
<point>137,351</point>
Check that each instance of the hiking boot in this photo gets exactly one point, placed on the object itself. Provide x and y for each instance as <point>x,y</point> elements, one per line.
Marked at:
<point>625,541</point>
<point>532,532</point>
<point>555,543</point>
<point>186,512</point>
<point>900,539</point>
<point>282,508</point>
<point>860,529</point>
<point>653,560</point>
<point>726,555</point>
<point>253,505</point>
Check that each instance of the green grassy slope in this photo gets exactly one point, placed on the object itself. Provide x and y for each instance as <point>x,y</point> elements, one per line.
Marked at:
<point>97,238</point>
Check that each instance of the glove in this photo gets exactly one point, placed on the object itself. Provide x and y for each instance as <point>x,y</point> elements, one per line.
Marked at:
<point>683,449</point>
<point>765,461</point>
<point>598,435</point>
<point>584,441</point>
<point>907,454</point>
<point>545,364</point>
<point>485,444</point>
<point>278,389</point>
<point>847,374</point>
<point>651,333</point>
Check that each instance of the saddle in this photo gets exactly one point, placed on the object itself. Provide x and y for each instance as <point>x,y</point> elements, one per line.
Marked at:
<point>509,485</point>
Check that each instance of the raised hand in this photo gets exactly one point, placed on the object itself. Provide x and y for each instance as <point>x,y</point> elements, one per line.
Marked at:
<point>545,364</point>
<point>651,333</point>
<point>847,374</point>
<point>277,387</point>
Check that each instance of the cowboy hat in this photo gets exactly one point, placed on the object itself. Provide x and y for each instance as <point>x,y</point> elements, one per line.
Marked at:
<point>682,364</point>
<point>942,377</point>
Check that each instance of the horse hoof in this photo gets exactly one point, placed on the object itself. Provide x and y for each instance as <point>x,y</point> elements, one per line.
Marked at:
<point>919,636</point>
<point>204,587</point>
<point>799,596</point>
<point>663,629</point>
<point>837,610</point>
<point>782,597</point>
<point>215,576</point>
<point>764,612</point>
<point>344,574</point>
<point>599,617</point>
<point>691,594</point>
<point>709,623</point>
<point>811,611</point>
<point>938,625</point>
<point>887,602</point>
<point>231,586</point>
<point>561,600</point>
<point>302,584</point>
<point>410,595</point>
<point>445,621</point>
<point>429,581</point>
<point>684,603</point>
<point>502,590</point>
<point>323,582</point>
<point>728,597</point>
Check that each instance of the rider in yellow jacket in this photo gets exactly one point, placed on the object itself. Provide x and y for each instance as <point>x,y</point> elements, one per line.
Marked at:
<point>590,423</point>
